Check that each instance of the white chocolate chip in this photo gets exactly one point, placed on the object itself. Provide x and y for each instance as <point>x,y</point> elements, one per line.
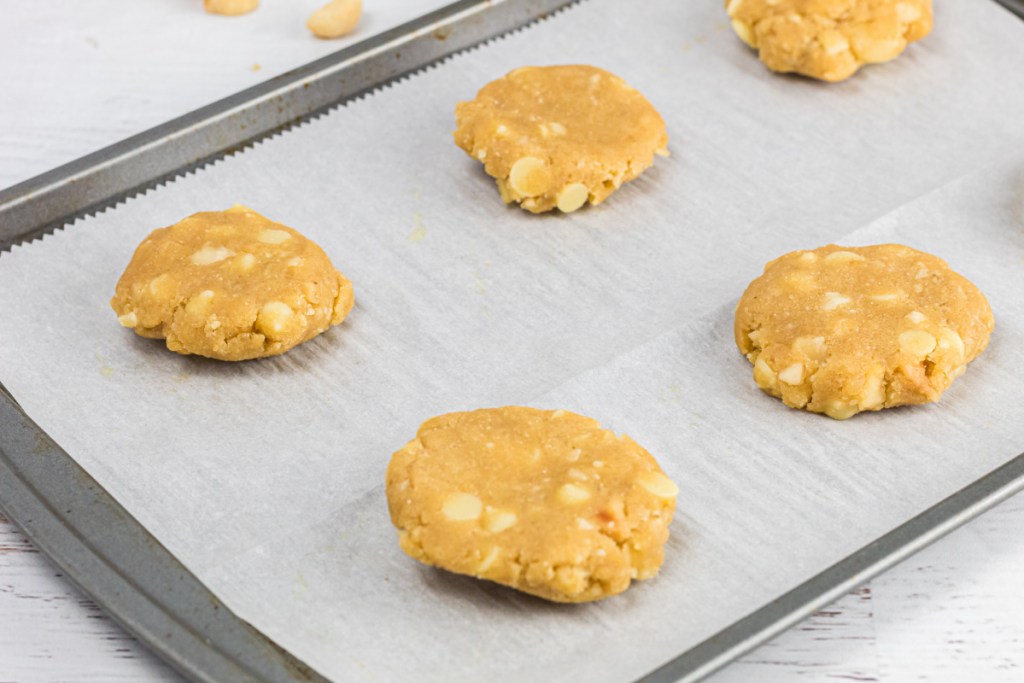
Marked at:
<point>907,13</point>
<point>888,296</point>
<point>499,520</point>
<point>274,236</point>
<point>764,376</point>
<point>273,317</point>
<point>812,348</point>
<point>294,261</point>
<point>807,258</point>
<point>792,374</point>
<point>161,285</point>
<point>743,30</point>
<point>571,494</point>
<point>834,300</point>
<point>501,130</point>
<point>840,410</point>
<point>576,474</point>
<point>245,262</point>
<point>574,454</point>
<point>949,339</point>
<point>584,524</point>
<point>557,414</point>
<point>489,561</point>
<point>129,319</point>
<point>210,254</point>
<point>658,484</point>
<point>572,197</point>
<point>921,274</point>
<point>917,343</point>
<point>873,395</point>
<point>529,177</point>
<point>199,304</point>
<point>557,128</point>
<point>462,507</point>
<point>799,281</point>
<point>916,317</point>
<point>834,43</point>
<point>837,257</point>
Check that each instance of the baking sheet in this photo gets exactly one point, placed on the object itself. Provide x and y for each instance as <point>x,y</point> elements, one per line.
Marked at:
<point>265,478</point>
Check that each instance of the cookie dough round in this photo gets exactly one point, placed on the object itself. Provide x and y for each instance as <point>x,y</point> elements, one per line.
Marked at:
<point>828,39</point>
<point>546,502</point>
<point>839,330</point>
<point>560,136</point>
<point>231,285</point>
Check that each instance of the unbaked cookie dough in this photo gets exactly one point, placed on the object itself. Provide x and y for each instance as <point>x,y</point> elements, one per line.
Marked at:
<point>840,330</point>
<point>560,136</point>
<point>544,501</point>
<point>231,285</point>
<point>828,39</point>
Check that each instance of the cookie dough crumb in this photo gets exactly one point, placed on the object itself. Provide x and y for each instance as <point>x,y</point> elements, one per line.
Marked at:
<point>547,502</point>
<point>560,136</point>
<point>828,39</point>
<point>231,285</point>
<point>336,19</point>
<point>841,330</point>
<point>230,7</point>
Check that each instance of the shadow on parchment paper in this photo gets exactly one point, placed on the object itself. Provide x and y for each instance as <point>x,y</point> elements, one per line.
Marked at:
<point>645,182</point>
<point>153,354</point>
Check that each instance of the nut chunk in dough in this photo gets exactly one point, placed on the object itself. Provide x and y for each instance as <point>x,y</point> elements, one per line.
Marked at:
<point>335,19</point>
<point>544,501</point>
<point>840,330</point>
<point>231,285</point>
<point>560,136</point>
<point>828,39</point>
<point>230,8</point>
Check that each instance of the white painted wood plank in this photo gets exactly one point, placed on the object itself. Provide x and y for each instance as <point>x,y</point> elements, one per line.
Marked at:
<point>49,631</point>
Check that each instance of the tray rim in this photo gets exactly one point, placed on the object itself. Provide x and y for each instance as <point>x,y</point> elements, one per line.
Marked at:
<point>44,491</point>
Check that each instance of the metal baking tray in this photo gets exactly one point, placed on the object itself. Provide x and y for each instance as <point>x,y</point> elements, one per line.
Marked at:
<point>110,556</point>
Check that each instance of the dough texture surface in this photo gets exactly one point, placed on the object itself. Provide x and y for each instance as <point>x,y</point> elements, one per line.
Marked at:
<point>840,330</point>
<point>231,285</point>
<point>828,39</point>
<point>547,502</point>
<point>560,136</point>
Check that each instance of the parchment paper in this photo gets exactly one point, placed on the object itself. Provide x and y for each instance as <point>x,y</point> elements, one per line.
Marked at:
<point>266,478</point>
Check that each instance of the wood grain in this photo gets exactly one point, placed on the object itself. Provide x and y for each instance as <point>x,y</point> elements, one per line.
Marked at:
<point>954,612</point>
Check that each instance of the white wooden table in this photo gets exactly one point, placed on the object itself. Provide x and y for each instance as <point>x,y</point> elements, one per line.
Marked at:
<point>76,76</point>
